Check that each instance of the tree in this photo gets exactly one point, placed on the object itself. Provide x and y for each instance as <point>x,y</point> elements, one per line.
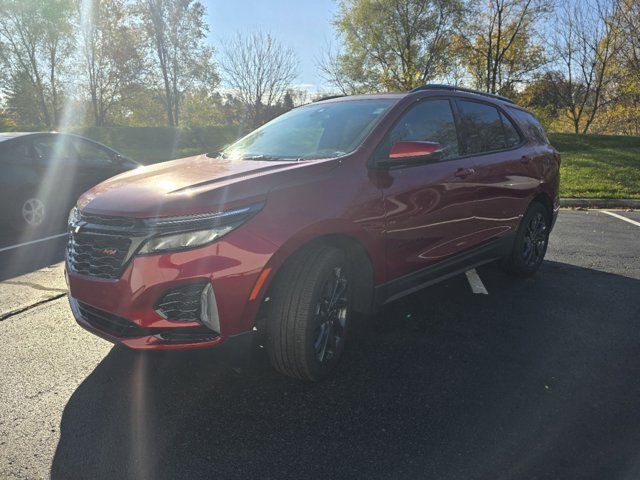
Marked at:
<point>619,110</point>
<point>111,54</point>
<point>390,44</point>
<point>177,30</point>
<point>542,96</point>
<point>585,48</point>
<point>629,15</point>
<point>500,47</point>
<point>260,70</point>
<point>36,40</point>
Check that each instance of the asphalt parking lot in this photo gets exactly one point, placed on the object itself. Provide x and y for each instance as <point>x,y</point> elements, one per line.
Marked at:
<point>540,378</point>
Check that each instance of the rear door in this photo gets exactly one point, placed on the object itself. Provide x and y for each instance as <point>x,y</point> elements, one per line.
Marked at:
<point>503,184</point>
<point>18,177</point>
<point>428,207</point>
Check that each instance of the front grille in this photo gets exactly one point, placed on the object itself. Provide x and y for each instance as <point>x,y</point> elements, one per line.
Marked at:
<point>109,221</point>
<point>181,303</point>
<point>110,323</point>
<point>98,255</point>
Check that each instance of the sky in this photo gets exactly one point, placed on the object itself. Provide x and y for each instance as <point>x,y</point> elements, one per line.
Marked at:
<point>303,25</point>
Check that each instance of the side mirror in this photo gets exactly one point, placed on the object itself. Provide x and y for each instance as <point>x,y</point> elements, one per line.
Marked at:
<point>412,153</point>
<point>123,161</point>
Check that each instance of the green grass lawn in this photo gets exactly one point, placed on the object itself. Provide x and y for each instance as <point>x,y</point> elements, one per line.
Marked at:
<point>598,166</point>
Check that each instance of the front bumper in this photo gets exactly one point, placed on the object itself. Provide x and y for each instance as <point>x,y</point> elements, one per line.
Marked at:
<point>120,330</point>
<point>125,310</point>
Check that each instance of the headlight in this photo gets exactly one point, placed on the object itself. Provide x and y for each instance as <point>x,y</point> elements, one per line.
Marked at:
<point>183,240</point>
<point>196,230</point>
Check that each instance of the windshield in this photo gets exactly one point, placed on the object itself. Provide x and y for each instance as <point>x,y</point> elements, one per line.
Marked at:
<point>314,131</point>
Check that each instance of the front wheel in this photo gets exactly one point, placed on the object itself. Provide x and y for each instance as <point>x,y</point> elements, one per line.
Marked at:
<point>530,245</point>
<point>309,317</point>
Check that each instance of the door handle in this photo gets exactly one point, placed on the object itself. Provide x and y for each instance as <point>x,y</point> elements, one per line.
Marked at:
<point>525,159</point>
<point>464,172</point>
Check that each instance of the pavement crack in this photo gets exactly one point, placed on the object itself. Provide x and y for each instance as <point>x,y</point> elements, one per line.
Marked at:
<point>17,311</point>
<point>33,285</point>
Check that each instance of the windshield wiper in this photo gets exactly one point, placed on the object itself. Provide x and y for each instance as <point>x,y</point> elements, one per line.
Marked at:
<point>267,158</point>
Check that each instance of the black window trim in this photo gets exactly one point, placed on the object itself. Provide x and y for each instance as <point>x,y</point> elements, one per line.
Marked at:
<point>372,164</point>
<point>523,138</point>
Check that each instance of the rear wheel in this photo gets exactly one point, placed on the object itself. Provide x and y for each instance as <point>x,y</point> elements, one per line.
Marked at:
<point>531,242</point>
<point>309,317</point>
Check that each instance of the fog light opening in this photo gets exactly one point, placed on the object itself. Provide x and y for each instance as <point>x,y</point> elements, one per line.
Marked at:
<point>209,309</point>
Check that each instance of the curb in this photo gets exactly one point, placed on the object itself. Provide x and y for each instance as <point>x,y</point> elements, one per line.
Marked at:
<point>600,202</point>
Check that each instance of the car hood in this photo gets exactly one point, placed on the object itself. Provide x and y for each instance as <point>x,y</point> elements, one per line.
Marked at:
<point>186,186</point>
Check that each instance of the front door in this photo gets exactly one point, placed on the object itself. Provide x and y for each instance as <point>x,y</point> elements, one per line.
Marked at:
<point>95,164</point>
<point>428,207</point>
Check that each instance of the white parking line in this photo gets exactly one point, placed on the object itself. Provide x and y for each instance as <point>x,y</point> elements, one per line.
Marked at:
<point>632,222</point>
<point>11,247</point>
<point>474,281</point>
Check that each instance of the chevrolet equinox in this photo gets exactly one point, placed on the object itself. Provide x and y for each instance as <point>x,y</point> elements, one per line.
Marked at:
<point>335,207</point>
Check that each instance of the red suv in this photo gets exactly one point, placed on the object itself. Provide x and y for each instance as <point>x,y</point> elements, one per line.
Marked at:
<point>335,207</point>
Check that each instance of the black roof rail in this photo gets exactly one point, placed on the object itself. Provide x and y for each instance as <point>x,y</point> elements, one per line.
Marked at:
<point>453,88</point>
<point>327,97</point>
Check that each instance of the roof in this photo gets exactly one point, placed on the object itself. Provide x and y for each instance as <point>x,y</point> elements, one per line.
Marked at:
<point>371,96</point>
<point>453,88</point>
<point>430,87</point>
<point>9,135</point>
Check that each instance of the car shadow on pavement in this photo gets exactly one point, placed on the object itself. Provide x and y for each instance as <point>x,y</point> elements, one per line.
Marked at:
<point>24,257</point>
<point>538,379</point>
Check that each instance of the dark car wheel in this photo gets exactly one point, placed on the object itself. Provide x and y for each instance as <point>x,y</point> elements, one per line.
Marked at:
<point>531,242</point>
<point>309,317</point>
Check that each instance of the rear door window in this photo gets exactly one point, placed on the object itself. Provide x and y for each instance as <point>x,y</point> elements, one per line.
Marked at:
<point>18,153</point>
<point>90,154</point>
<point>512,137</point>
<point>54,149</point>
<point>482,128</point>
<point>430,120</point>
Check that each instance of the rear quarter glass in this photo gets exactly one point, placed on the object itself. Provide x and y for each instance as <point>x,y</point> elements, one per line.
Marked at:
<point>530,126</point>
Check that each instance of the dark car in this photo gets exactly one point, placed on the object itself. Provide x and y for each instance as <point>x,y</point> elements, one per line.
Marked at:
<point>338,206</point>
<point>44,173</point>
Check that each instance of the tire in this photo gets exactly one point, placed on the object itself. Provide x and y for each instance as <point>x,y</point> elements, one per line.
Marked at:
<point>30,213</point>
<point>530,245</point>
<point>306,332</point>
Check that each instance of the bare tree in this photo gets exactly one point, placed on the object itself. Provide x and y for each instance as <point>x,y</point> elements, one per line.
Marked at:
<point>111,54</point>
<point>177,30</point>
<point>36,38</point>
<point>629,13</point>
<point>628,86</point>
<point>260,69</point>
<point>333,69</point>
<point>498,44</point>
<point>585,47</point>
